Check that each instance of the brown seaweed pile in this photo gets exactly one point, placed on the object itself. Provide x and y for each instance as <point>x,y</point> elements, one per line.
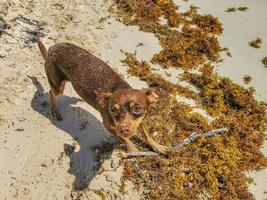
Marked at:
<point>144,72</point>
<point>230,9</point>
<point>186,48</point>
<point>243,8</point>
<point>256,43</point>
<point>233,9</point>
<point>214,166</point>
<point>210,168</point>
<point>247,79</point>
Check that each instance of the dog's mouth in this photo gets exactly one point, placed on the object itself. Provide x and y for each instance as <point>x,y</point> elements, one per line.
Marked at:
<point>126,132</point>
<point>127,127</point>
<point>125,135</point>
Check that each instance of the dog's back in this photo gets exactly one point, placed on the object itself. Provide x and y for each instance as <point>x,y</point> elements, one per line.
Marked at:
<point>84,70</point>
<point>87,74</point>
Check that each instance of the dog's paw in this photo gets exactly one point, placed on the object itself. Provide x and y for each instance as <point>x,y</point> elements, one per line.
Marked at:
<point>161,149</point>
<point>132,148</point>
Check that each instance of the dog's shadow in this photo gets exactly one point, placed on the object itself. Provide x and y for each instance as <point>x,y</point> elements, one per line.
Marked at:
<point>83,127</point>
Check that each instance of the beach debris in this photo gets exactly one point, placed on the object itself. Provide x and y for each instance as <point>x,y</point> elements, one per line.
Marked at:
<point>264,61</point>
<point>234,9</point>
<point>193,137</point>
<point>247,79</point>
<point>140,44</point>
<point>19,129</point>
<point>33,30</point>
<point>256,43</point>
<point>242,8</point>
<point>44,165</point>
<point>228,53</point>
<point>230,9</point>
<point>184,49</point>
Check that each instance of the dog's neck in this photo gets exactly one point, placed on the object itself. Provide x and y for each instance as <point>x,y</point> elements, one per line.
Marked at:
<point>121,86</point>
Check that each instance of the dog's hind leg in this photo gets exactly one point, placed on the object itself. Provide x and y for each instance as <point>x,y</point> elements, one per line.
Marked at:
<point>57,82</point>
<point>53,108</point>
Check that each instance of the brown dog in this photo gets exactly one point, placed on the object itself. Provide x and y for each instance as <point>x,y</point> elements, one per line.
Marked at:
<point>122,107</point>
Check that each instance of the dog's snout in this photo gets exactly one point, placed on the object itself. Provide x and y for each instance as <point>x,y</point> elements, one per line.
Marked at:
<point>125,130</point>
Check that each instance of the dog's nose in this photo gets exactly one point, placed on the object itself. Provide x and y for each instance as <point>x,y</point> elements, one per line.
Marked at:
<point>125,131</point>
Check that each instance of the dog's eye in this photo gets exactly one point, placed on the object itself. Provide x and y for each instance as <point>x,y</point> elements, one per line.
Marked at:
<point>137,110</point>
<point>114,111</point>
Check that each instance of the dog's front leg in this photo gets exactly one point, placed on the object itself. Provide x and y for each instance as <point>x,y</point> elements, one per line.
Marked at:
<point>157,147</point>
<point>128,143</point>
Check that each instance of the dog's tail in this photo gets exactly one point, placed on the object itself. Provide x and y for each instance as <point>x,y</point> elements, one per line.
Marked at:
<point>42,48</point>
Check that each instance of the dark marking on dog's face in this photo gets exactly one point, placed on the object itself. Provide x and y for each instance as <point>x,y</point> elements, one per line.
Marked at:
<point>127,108</point>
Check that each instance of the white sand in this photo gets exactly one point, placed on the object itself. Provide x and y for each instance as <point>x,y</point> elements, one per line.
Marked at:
<point>33,162</point>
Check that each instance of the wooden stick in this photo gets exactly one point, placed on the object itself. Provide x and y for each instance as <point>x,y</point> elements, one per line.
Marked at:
<point>193,137</point>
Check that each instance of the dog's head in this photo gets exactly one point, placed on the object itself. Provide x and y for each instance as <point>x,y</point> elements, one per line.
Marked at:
<point>127,108</point>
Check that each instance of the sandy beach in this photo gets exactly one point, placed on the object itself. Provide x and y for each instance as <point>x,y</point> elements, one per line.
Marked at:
<point>44,159</point>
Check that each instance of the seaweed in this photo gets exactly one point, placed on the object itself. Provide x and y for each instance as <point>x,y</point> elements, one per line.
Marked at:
<point>256,43</point>
<point>264,61</point>
<point>144,72</point>
<point>233,9</point>
<point>228,53</point>
<point>247,79</point>
<point>230,9</point>
<point>209,168</point>
<point>221,176</point>
<point>243,8</point>
<point>184,49</point>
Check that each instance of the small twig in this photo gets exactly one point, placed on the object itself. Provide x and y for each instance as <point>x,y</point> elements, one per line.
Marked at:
<point>193,137</point>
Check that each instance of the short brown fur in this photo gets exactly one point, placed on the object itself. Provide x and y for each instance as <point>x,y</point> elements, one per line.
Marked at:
<point>102,88</point>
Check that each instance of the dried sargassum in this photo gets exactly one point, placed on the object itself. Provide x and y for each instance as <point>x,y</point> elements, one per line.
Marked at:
<point>215,167</point>
<point>247,79</point>
<point>230,9</point>
<point>233,9</point>
<point>144,72</point>
<point>256,43</point>
<point>182,49</point>
<point>264,61</point>
<point>242,8</point>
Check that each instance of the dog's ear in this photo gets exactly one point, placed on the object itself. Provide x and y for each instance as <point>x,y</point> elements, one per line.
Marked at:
<point>151,95</point>
<point>102,99</point>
